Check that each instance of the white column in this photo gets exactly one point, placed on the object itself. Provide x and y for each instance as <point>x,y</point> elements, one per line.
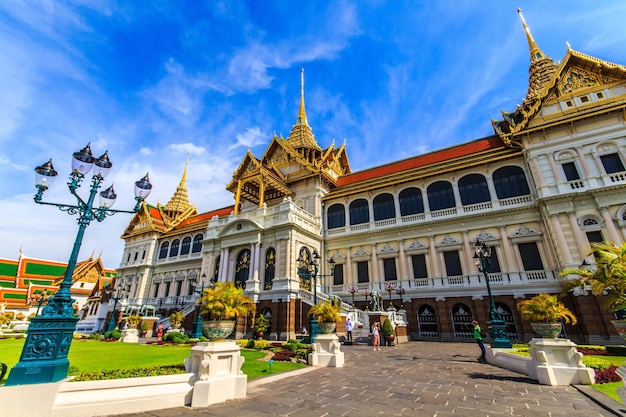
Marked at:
<point>610,225</point>
<point>534,168</point>
<point>469,253</point>
<point>581,241</point>
<point>509,262</point>
<point>403,268</point>
<point>352,279</point>
<point>434,261</point>
<point>375,274</point>
<point>562,248</point>
<point>253,256</point>
<point>559,176</point>
<point>583,162</point>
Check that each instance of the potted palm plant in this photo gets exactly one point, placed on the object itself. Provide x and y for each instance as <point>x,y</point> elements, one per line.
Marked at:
<point>609,277</point>
<point>133,321</point>
<point>261,324</point>
<point>220,305</point>
<point>545,312</point>
<point>327,314</point>
<point>176,318</point>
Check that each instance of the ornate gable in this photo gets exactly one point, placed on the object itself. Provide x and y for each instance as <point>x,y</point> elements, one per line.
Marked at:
<point>580,84</point>
<point>148,219</point>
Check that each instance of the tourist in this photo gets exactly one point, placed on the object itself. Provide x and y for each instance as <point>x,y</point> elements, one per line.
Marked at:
<point>478,335</point>
<point>349,329</point>
<point>160,332</point>
<point>376,335</point>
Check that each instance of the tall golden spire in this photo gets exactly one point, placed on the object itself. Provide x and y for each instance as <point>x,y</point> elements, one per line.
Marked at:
<point>542,68</point>
<point>301,135</point>
<point>535,53</point>
<point>179,202</point>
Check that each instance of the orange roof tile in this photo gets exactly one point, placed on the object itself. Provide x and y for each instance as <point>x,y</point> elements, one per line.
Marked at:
<point>422,160</point>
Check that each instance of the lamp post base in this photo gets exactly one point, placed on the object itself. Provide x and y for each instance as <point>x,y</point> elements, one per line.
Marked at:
<point>44,356</point>
<point>499,336</point>
<point>196,331</point>
<point>315,329</point>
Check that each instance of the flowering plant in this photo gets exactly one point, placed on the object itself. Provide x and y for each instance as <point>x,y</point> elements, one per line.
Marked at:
<point>366,293</point>
<point>352,289</point>
<point>390,286</point>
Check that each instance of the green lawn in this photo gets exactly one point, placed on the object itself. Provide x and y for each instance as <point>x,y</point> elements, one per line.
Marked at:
<point>90,356</point>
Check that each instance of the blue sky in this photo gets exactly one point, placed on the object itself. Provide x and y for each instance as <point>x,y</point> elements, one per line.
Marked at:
<point>153,81</point>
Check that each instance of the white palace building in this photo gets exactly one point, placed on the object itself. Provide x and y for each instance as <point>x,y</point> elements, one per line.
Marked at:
<point>550,180</point>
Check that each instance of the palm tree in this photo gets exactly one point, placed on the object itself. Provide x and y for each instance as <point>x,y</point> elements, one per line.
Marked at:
<point>225,301</point>
<point>608,278</point>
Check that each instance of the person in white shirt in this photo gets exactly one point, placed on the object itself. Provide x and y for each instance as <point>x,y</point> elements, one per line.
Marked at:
<point>349,330</point>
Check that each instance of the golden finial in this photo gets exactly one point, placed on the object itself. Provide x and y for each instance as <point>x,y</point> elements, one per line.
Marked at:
<point>302,114</point>
<point>535,52</point>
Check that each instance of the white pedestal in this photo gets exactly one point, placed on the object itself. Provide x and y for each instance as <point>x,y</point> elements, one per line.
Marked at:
<point>327,351</point>
<point>130,336</point>
<point>556,362</point>
<point>217,366</point>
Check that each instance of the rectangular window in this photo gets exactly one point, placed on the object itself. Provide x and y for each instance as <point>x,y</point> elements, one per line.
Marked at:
<point>389,265</point>
<point>595,236</point>
<point>338,274</point>
<point>166,293</point>
<point>530,256</point>
<point>571,173</point>
<point>419,266</point>
<point>156,291</point>
<point>584,99</point>
<point>612,163</point>
<point>453,263</point>
<point>494,265</point>
<point>179,287</point>
<point>363,274</point>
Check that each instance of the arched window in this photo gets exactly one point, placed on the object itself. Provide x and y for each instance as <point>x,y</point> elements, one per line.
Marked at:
<point>174,248</point>
<point>197,244</point>
<point>164,248</point>
<point>473,189</point>
<point>440,196</point>
<point>462,321</point>
<point>427,321</point>
<point>242,268</point>
<point>184,248</point>
<point>304,260</point>
<point>359,212</point>
<point>384,207</point>
<point>411,201</point>
<point>336,216</point>
<point>510,181</point>
<point>270,268</point>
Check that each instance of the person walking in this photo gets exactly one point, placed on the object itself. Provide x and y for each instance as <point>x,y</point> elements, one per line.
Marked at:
<point>478,335</point>
<point>376,335</point>
<point>160,332</point>
<point>349,329</point>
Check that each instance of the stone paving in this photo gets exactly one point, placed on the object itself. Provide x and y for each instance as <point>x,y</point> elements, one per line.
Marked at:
<point>411,379</point>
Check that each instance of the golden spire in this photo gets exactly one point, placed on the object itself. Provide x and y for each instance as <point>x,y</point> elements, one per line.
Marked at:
<point>535,53</point>
<point>301,120</point>
<point>179,202</point>
<point>301,135</point>
<point>541,70</point>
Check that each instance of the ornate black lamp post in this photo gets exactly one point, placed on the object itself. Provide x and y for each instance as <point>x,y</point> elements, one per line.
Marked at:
<point>197,325</point>
<point>113,318</point>
<point>312,268</point>
<point>400,291</point>
<point>390,287</point>
<point>499,336</point>
<point>352,290</point>
<point>44,356</point>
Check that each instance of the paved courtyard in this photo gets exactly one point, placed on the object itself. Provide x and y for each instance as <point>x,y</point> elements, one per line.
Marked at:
<point>411,379</point>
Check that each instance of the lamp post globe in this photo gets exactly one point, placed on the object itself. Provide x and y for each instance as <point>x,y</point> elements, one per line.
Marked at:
<point>44,357</point>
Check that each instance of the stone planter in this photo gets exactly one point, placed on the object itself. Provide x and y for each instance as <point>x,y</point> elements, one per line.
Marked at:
<point>327,327</point>
<point>547,330</point>
<point>215,330</point>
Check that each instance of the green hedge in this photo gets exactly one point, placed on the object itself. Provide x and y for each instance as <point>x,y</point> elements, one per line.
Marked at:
<point>616,350</point>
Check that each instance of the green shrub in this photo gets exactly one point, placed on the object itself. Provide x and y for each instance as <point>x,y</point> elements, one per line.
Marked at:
<point>95,336</point>
<point>596,363</point>
<point>290,346</point>
<point>250,344</point>
<point>261,344</point>
<point>176,337</point>
<point>203,339</point>
<point>302,354</point>
<point>130,373</point>
<point>243,342</point>
<point>616,350</point>
<point>113,334</point>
